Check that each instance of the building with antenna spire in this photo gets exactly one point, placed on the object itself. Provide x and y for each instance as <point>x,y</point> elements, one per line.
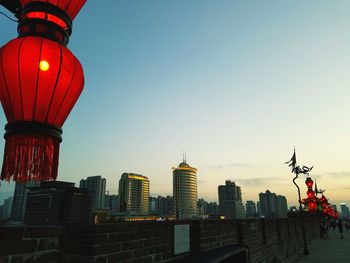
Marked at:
<point>185,191</point>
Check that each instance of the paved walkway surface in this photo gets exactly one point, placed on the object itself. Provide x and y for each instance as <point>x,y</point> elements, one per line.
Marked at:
<point>330,250</point>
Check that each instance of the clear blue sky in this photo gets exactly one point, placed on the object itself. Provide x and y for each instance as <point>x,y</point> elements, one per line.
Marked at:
<point>236,84</point>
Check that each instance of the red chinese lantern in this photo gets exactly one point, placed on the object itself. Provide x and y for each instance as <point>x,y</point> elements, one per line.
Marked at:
<point>309,182</point>
<point>310,194</point>
<point>323,199</point>
<point>40,81</point>
<point>311,205</point>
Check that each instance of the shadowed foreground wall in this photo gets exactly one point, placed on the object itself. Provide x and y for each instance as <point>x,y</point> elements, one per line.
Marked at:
<point>268,240</point>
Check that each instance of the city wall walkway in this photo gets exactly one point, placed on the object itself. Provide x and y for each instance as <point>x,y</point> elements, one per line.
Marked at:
<point>330,250</point>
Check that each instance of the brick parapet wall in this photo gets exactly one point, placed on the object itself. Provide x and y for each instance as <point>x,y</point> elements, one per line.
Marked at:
<point>268,240</point>
<point>133,241</point>
<point>19,244</point>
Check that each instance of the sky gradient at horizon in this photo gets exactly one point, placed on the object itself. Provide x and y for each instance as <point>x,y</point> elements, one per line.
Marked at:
<point>235,84</point>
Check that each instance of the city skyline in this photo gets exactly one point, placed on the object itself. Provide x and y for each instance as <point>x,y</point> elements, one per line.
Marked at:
<point>249,81</point>
<point>108,192</point>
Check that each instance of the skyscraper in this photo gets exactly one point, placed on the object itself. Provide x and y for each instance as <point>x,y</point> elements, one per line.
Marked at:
<point>272,205</point>
<point>282,207</point>
<point>164,205</point>
<point>161,205</point>
<point>20,199</point>
<point>97,187</point>
<point>134,194</point>
<point>272,200</point>
<point>230,200</point>
<point>263,204</point>
<point>55,202</point>
<point>185,191</point>
<point>213,209</point>
<point>258,208</point>
<point>6,208</point>
<point>250,209</point>
<point>112,203</point>
<point>152,205</point>
<point>344,210</point>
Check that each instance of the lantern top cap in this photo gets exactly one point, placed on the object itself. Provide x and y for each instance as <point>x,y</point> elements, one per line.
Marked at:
<point>70,7</point>
<point>308,178</point>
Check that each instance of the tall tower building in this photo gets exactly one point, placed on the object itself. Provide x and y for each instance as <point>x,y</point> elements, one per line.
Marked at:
<point>112,203</point>
<point>230,200</point>
<point>185,191</point>
<point>272,205</point>
<point>263,205</point>
<point>6,208</point>
<point>133,194</point>
<point>282,207</point>
<point>272,198</point>
<point>97,187</point>
<point>20,199</point>
<point>55,202</point>
<point>344,210</point>
<point>250,209</point>
<point>258,208</point>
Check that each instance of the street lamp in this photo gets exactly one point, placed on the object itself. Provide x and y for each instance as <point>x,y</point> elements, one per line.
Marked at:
<point>296,169</point>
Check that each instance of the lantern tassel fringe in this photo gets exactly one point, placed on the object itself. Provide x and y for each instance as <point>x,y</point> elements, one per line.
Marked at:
<point>30,157</point>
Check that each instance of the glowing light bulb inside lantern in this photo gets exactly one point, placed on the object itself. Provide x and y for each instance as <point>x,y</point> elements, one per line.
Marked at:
<point>44,65</point>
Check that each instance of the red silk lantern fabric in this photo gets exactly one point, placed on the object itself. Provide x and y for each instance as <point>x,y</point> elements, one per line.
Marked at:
<point>71,7</point>
<point>29,93</point>
<point>40,81</point>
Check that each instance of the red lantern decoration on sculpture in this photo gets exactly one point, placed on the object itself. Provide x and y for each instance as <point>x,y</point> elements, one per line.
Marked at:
<point>40,81</point>
<point>310,194</point>
<point>311,199</point>
<point>311,205</point>
<point>323,199</point>
<point>309,183</point>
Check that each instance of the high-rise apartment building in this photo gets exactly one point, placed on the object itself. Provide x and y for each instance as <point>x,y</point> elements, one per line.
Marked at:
<point>152,205</point>
<point>272,205</point>
<point>282,207</point>
<point>344,210</point>
<point>258,208</point>
<point>134,194</point>
<point>97,187</point>
<point>207,208</point>
<point>56,202</point>
<point>230,200</point>
<point>112,203</point>
<point>20,199</point>
<point>250,209</point>
<point>202,206</point>
<point>185,191</point>
<point>6,208</point>
<point>164,205</point>
<point>272,201</point>
<point>264,204</point>
<point>213,209</point>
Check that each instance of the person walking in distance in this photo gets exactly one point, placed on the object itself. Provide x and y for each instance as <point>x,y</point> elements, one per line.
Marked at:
<point>347,225</point>
<point>340,227</point>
